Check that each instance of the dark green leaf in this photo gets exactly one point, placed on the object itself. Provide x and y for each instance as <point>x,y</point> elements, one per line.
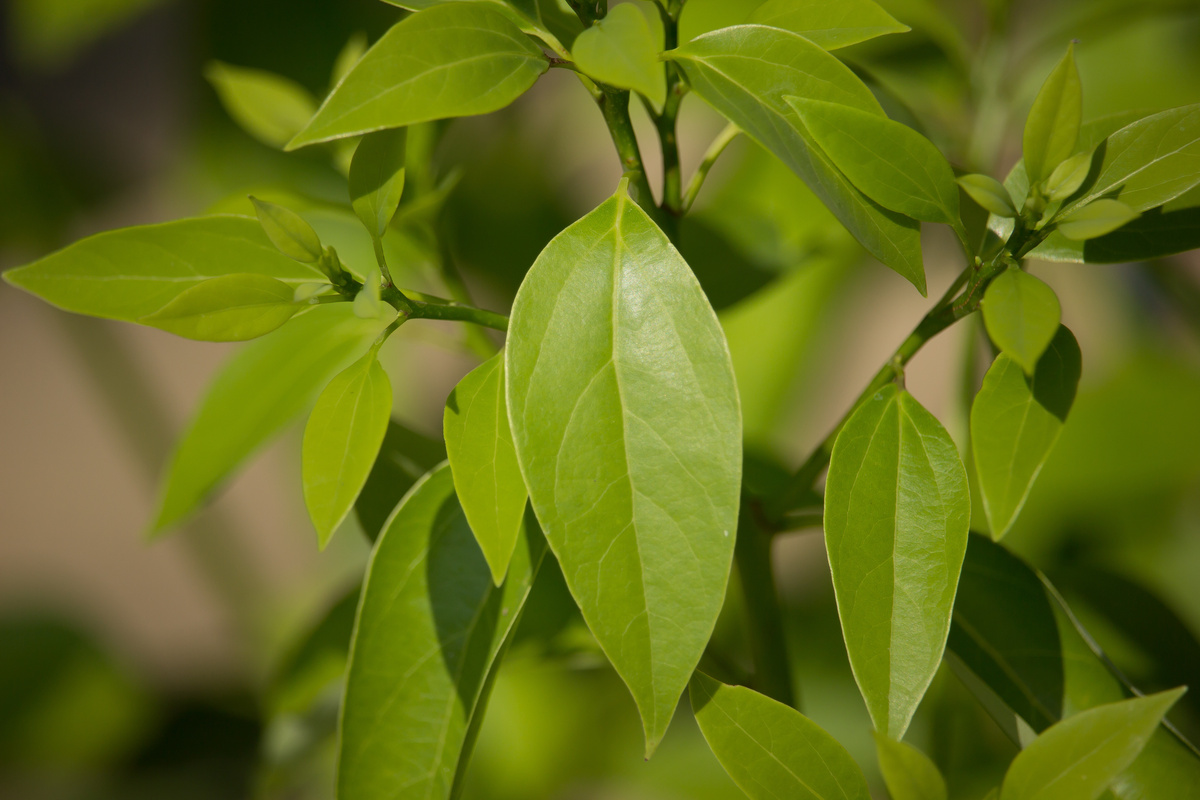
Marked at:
<point>1095,219</point>
<point>828,25</point>
<point>1022,315</point>
<point>288,231</point>
<point>403,458</point>
<point>620,50</point>
<point>269,107</point>
<point>1052,127</point>
<point>908,772</point>
<point>377,178</point>
<point>230,308</point>
<point>1156,234</point>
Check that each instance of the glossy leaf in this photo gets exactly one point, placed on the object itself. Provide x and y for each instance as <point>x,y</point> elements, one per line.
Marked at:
<point>620,50</point>
<point>452,60</point>
<point>745,72</point>
<point>699,17</point>
<point>288,231</point>
<point>269,107</point>
<point>771,750</point>
<point>1068,176</point>
<point>487,477</point>
<point>908,773</point>
<point>341,441</point>
<point>1015,421</point>
<point>988,193</point>
<point>897,511</point>
<point>1156,234</point>
<point>546,19</point>
<point>625,415</point>
<point>229,308</point>
<point>429,627</point>
<point>1095,219</point>
<point>377,178</point>
<point>130,273</point>
<point>257,393</point>
<point>828,25</point>
<point>1021,314</point>
<point>1052,127</point>
<point>1079,757</point>
<point>889,162</point>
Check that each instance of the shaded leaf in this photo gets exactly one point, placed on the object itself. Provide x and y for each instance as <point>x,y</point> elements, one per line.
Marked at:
<point>908,773</point>
<point>828,25</point>
<point>1052,127</point>
<point>377,178</point>
<point>404,457</point>
<point>269,107</point>
<point>989,193</point>
<point>1021,314</point>
<point>546,19</point>
<point>288,231</point>
<point>229,308</point>
<point>1095,219</point>
<point>621,50</point>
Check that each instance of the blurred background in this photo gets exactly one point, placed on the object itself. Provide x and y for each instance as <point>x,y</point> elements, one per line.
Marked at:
<point>187,667</point>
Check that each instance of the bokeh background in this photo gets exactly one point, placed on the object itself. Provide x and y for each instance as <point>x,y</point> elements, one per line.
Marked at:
<point>139,669</point>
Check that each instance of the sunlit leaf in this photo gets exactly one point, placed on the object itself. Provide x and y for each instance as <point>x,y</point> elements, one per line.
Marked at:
<point>1052,127</point>
<point>377,178</point>
<point>1095,219</point>
<point>1022,315</point>
<point>269,107</point>
<point>288,231</point>
<point>988,193</point>
<point>230,308</point>
<point>828,25</point>
<point>620,50</point>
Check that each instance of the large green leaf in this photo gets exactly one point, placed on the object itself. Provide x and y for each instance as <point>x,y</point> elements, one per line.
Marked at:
<point>230,308</point>
<point>269,107</point>
<point>257,393</point>
<point>429,627</point>
<point>452,60</point>
<point>1052,127</point>
<point>487,476</point>
<point>625,415</point>
<point>1079,757</point>
<point>828,25</point>
<point>908,772</point>
<point>1021,314</point>
<point>130,273</point>
<point>703,16</point>
<point>1156,234</point>
<point>897,510</point>
<point>771,750</point>
<point>404,457</point>
<point>1015,421</point>
<point>745,72</point>
<point>546,19</point>
<point>377,178</point>
<point>620,49</point>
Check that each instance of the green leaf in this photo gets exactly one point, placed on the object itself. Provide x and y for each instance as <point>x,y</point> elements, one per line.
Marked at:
<point>828,25</point>
<point>429,628</point>
<point>1068,176</point>
<point>1015,421</point>
<point>315,661</point>
<point>257,393</point>
<point>771,750</point>
<point>745,72</point>
<point>1021,314</point>
<point>548,20</point>
<point>230,308</point>
<point>889,162</point>
<point>1095,219</point>
<point>1156,234</point>
<point>377,178</point>
<point>988,193</point>
<point>403,458</point>
<point>897,511</point>
<point>350,54</point>
<point>452,60</point>
<point>1052,127</point>
<point>487,476</point>
<point>342,439</point>
<point>1079,757</point>
<point>620,50</point>
<point>624,411</point>
<point>908,773</point>
<point>288,231</point>
<point>131,273</point>
<point>699,17</point>
<point>269,107</point>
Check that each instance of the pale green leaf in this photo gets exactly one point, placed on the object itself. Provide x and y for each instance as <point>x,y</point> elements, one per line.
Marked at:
<point>625,415</point>
<point>889,162</point>
<point>828,25</point>
<point>288,231</point>
<point>130,273</point>
<point>255,395</point>
<point>1021,314</point>
<point>989,193</point>
<point>487,477</point>
<point>897,511</point>
<point>452,60</point>
<point>621,50</point>
<point>429,628</point>
<point>703,16</point>
<point>745,72</point>
<point>377,178</point>
<point>1015,421</point>
<point>229,308</point>
<point>367,303</point>
<point>1068,176</point>
<point>269,107</point>
<point>771,750</point>
<point>1052,127</point>
<point>342,439</point>
<point>350,54</point>
<point>908,773</point>
<point>1079,757</point>
<point>1095,219</point>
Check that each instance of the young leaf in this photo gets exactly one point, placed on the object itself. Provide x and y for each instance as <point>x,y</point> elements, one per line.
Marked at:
<point>131,273</point>
<point>452,60</point>
<point>269,107</point>
<point>620,50</point>
<point>1079,757</point>
<point>1021,314</point>
<point>288,231</point>
<point>258,392</point>
<point>897,511</point>
<point>988,193</point>
<point>889,162</point>
<point>230,308</point>
<point>1015,421</point>
<point>367,303</point>
<point>745,72</point>
<point>771,750</point>
<point>828,25</point>
<point>548,20</point>
<point>377,178</point>
<point>342,439</point>
<point>908,773</point>
<point>1052,127</point>
<point>350,54</point>
<point>429,628</point>
<point>1068,176</point>
<point>624,412</point>
<point>1095,219</point>
<point>487,477</point>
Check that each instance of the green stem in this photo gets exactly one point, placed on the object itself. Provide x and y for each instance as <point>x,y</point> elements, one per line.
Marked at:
<point>714,152</point>
<point>764,620</point>
<point>456,312</point>
<point>381,259</point>
<point>614,105</point>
